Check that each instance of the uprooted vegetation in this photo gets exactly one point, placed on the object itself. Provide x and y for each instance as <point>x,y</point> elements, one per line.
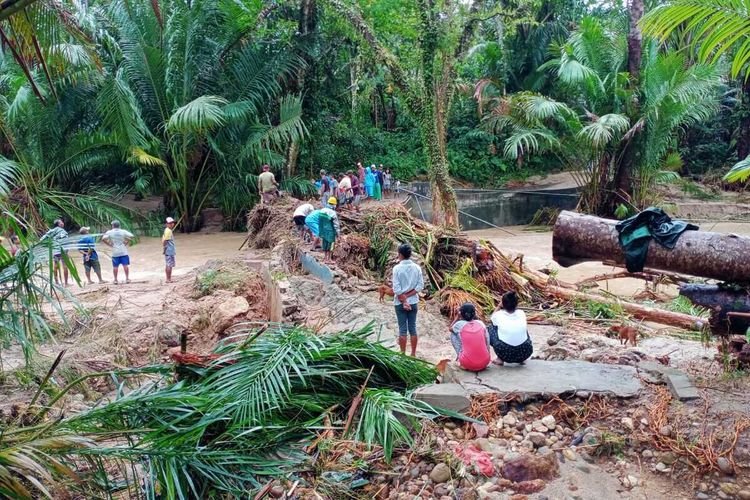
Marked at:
<point>257,407</point>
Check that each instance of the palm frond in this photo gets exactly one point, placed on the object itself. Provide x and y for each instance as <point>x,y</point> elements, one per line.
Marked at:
<point>199,115</point>
<point>740,172</point>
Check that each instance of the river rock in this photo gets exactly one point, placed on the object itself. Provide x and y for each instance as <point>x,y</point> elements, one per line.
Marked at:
<point>743,494</point>
<point>627,422</point>
<point>549,422</point>
<point>661,467</point>
<point>668,458</point>
<point>481,430</point>
<point>569,454</point>
<point>509,419</point>
<point>458,433</point>
<point>224,314</point>
<point>537,438</point>
<point>647,454</point>
<point>277,491</point>
<point>441,473</point>
<point>724,465</point>
<point>730,489</point>
<point>629,481</point>
<point>528,467</point>
<point>665,430</point>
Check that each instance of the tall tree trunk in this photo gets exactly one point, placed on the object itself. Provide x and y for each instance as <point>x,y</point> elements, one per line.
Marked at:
<point>743,141</point>
<point>292,155</point>
<point>444,206</point>
<point>354,70</point>
<point>629,154</point>
<point>390,114</point>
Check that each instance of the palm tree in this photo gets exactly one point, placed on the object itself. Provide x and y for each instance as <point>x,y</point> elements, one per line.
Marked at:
<point>716,28</point>
<point>193,109</point>
<point>606,113</point>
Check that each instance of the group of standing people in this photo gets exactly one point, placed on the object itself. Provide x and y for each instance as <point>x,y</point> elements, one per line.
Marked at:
<point>117,238</point>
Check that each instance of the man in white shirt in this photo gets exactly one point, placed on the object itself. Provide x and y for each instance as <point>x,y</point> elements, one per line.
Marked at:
<point>407,283</point>
<point>300,213</point>
<point>119,239</point>
<point>345,191</point>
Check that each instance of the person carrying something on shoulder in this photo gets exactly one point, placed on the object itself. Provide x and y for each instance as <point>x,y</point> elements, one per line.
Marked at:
<point>345,190</point>
<point>58,236</point>
<point>470,340</point>
<point>407,283</point>
<point>509,334</point>
<point>119,239</point>
<point>298,217</point>
<point>87,248</point>
<point>167,241</point>
<point>329,228</point>
<point>267,185</point>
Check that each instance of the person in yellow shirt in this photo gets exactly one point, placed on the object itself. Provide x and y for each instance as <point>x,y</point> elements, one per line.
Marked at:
<point>167,241</point>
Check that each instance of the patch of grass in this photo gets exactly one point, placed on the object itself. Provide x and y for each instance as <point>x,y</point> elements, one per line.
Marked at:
<point>600,310</point>
<point>691,188</point>
<point>683,305</point>
<point>218,279</point>
<point>611,444</point>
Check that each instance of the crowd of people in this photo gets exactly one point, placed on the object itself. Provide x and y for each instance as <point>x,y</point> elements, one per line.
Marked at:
<point>61,243</point>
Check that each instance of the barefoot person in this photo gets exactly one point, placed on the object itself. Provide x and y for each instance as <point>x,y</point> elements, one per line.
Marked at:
<point>119,239</point>
<point>407,283</point>
<point>167,241</point>
<point>87,248</point>
<point>58,235</point>
<point>470,340</point>
<point>510,336</point>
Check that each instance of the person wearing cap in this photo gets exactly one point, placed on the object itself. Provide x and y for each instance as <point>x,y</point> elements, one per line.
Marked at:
<point>329,228</point>
<point>87,248</point>
<point>58,236</point>
<point>119,239</point>
<point>267,185</point>
<point>167,241</point>
<point>471,340</point>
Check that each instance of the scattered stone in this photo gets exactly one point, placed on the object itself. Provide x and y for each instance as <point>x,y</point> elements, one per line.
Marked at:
<point>449,396</point>
<point>668,458</point>
<point>730,489</point>
<point>569,454</point>
<point>441,473</point>
<point>681,387</point>
<point>537,438</point>
<point>701,496</point>
<point>458,433</point>
<point>481,430</point>
<point>661,467</point>
<point>549,422</point>
<point>628,423</point>
<point>724,465</point>
<point>509,419</point>
<point>225,313</point>
<point>629,481</point>
<point>277,491</point>
<point>450,425</point>
<point>665,430</point>
<point>528,487</point>
<point>583,468</point>
<point>647,454</point>
<point>528,467</point>
<point>538,426</point>
<point>743,494</point>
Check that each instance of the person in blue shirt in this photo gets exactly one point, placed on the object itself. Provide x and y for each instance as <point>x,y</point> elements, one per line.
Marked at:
<point>87,248</point>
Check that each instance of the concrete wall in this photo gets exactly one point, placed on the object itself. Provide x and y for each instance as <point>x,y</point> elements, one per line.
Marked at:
<point>500,208</point>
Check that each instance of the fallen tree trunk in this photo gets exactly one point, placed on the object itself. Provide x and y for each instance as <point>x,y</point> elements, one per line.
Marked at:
<point>580,238</point>
<point>638,311</point>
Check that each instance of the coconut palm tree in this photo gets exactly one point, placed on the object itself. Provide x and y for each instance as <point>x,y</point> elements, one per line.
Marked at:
<point>194,105</point>
<point>715,28</point>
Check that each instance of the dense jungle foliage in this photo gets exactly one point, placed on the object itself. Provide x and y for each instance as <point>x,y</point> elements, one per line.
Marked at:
<point>186,100</point>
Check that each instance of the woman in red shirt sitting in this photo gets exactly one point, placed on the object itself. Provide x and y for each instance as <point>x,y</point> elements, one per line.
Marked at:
<point>470,340</point>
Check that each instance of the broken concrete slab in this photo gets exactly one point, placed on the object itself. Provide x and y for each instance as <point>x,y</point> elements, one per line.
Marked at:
<point>537,377</point>
<point>654,372</point>
<point>311,265</point>
<point>449,396</point>
<point>681,387</point>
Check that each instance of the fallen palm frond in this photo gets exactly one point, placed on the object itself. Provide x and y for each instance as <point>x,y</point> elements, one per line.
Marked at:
<point>463,279</point>
<point>246,411</point>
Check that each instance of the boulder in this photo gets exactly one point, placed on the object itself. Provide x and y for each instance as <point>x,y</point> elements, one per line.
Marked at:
<point>448,396</point>
<point>528,467</point>
<point>223,316</point>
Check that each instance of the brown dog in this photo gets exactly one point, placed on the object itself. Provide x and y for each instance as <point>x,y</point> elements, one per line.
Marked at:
<point>626,334</point>
<point>384,290</point>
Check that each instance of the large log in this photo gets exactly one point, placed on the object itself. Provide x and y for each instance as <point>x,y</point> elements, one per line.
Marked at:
<point>638,311</point>
<point>580,238</point>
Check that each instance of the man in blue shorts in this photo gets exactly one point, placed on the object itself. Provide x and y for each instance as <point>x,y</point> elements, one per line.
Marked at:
<point>87,248</point>
<point>119,239</point>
